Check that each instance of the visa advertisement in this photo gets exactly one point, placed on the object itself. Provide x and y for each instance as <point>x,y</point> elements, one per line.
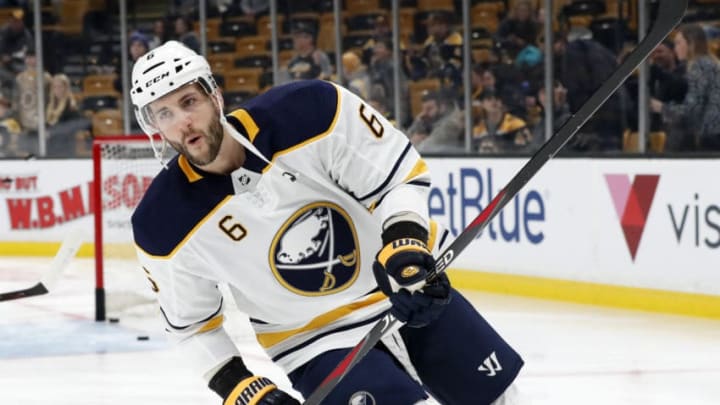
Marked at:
<point>651,223</point>
<point>636,223</point>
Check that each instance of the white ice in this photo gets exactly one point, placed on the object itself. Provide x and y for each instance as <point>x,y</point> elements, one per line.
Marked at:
<point>575,354</point>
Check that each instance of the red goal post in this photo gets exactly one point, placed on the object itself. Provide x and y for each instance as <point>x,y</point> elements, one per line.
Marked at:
<point>123,168</point>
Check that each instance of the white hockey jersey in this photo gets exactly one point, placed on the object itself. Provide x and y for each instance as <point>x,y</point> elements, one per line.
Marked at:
<point>293,232</point>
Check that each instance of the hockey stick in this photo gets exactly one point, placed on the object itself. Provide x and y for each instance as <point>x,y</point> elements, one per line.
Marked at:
<point>68,250</point>
<point>670,13</point>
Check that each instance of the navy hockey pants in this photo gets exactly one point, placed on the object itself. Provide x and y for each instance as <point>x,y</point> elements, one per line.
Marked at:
<point>459,357</point>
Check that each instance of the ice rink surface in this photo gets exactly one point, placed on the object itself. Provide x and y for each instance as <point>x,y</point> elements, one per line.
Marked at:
<point>53,352</point>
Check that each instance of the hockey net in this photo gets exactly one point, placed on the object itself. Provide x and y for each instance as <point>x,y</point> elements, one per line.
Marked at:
<point>123,168</point>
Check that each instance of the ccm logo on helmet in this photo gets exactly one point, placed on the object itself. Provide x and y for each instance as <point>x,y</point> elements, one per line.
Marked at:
<point>156,79</point>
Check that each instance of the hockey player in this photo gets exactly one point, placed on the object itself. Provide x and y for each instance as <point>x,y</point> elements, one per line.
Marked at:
<point>312,208</point>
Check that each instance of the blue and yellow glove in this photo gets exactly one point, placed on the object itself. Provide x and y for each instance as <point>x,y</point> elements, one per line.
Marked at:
<point>401,269</point>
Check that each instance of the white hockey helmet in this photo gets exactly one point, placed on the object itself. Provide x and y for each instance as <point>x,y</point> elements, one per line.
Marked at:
<point>162,71</point>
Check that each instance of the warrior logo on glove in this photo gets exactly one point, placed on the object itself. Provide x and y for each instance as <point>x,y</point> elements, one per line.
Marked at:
<point>401,269</point>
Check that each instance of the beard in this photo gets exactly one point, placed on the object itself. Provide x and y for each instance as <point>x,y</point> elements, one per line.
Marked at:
<point>213,139</point>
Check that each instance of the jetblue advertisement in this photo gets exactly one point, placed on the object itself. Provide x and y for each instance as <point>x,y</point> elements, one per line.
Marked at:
<point>648,223</point>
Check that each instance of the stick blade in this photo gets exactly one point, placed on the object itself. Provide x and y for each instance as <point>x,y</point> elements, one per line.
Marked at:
<point>37,289</point>
<point>68,249</point>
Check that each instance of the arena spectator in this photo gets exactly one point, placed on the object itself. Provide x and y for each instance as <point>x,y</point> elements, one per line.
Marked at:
<point>15,40</point>
<point>356,75</point>
<point>308,62</point>
<point>381,72</point>
<point>509,84</point>
<point>381,31</point>
<point>483,79</point>
<point>254,8</point>
<point>63,118</point>
<point>582,65</point>
<point>701,106</point>
<point>138,45</point>
<point>476,82</point>
<point>9,129</point>
<point>379,106</point>
<point>185,34</point>
<point>61,104</point>
<point>667,73</point>
<point>560,115</point>
<point>159,34</point>
<point>667,83</point>
<point>496,130</point>
<point>439,125</point>
<point>442,51</point>
<point>518,30</point>
<point>26,95</point>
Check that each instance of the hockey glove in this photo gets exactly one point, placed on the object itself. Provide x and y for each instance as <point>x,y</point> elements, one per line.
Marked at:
<point>401,269</point>
<point>251,390</point>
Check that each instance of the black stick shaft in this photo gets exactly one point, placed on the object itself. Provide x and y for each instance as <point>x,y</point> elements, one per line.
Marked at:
<point>670,12</point>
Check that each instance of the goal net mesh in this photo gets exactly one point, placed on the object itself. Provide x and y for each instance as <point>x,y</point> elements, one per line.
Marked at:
<point>123,167</point>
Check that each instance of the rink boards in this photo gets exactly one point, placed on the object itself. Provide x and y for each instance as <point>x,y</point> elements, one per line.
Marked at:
<point>641,233</point>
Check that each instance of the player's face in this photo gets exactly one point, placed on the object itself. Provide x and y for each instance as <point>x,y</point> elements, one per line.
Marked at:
<point>190,122</point>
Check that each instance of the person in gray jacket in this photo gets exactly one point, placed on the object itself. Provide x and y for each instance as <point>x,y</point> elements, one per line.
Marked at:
<point>701,106</point>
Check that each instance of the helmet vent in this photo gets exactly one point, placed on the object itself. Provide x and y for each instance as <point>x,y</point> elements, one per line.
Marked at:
<point>152,67</point>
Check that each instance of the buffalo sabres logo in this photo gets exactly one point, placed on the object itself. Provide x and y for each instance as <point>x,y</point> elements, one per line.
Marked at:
<point>315,252</point>
<point>361,398</point>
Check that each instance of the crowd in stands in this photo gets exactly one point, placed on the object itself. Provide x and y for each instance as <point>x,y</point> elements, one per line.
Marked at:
<point>591,37</point>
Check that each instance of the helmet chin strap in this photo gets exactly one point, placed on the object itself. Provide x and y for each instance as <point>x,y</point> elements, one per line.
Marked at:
<point>242,140</point>
<point>159,154</point>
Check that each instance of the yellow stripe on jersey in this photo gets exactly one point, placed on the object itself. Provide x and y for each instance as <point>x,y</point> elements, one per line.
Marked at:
<point>270,339</point>
<point>419,168</point>
<point>248,122</point>
<point>371,208</point>
<point>212,324</point>
<point>189,234</point>
<point>186,168</point>
<point>314,138</point>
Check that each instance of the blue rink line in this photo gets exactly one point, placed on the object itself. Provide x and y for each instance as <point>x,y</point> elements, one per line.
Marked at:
<point>72,337</point>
